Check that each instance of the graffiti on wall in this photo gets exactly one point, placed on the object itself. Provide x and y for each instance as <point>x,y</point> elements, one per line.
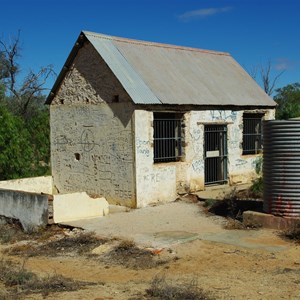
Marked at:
<point>223,115</point>
<point>94,154</point>
<point>198,166</point>
<point>142,147</point>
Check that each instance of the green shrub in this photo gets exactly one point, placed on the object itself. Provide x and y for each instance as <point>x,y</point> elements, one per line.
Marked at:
<point>256,190</point>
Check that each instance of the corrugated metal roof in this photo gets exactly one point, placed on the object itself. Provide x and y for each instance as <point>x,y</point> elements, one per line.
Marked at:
<point>131,81</point>
<point>153,73</point>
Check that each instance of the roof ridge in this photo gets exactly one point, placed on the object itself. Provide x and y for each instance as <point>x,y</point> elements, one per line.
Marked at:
<point>155,44</point>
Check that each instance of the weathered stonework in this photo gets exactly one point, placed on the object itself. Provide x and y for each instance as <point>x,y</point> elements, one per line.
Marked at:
<point>101,143</point>
<point>91,136</point>
<point>89,81</point>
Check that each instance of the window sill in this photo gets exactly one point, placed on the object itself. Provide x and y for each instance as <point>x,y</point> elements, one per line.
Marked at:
<point>167,163</point>
<point>250,155</point>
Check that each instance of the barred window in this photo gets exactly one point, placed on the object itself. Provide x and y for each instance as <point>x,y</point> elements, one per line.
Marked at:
<point>168,137</point>
<point>252,133</point>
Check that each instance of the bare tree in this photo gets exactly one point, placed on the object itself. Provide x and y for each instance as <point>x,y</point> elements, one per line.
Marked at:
<point>32,85</point>
<point>262,73</point>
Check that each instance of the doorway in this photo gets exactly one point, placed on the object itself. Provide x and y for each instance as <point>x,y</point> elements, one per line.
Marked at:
<point>215,154</point>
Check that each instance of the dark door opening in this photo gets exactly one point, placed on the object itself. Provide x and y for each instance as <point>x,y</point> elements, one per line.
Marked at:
<point>215,154</point>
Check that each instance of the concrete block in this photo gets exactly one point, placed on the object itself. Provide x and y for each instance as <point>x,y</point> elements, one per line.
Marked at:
<point>270,221</point>
<point>42,184</point>
<point>76,206</point>
<point>220,192</point>
<point>29,208</point>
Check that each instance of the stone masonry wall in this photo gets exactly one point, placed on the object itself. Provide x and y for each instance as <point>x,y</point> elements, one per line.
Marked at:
<point>91,132</point>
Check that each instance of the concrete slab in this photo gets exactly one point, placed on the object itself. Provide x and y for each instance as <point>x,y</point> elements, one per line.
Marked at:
<point>270,221</point>
<point>220,191</point>
<point>178,222</point>
<point>76,206</point>
<point>117,209</point>
<point>165,239</point>
<point>251,239</point>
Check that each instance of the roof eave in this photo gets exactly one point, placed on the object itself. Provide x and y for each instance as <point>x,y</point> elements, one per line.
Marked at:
<point>80,41</point>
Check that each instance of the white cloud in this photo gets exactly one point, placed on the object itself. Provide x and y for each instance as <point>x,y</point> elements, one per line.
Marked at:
<point>285,64</point>
<point>202,13</point>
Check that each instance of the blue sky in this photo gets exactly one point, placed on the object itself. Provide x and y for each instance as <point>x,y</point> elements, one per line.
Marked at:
<point>252,31</point>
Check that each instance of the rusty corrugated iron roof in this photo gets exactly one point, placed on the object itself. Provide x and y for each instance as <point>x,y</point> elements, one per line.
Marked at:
<point>154,73</point>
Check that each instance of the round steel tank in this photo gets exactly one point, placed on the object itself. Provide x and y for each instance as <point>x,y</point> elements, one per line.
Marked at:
<point>281,167</point>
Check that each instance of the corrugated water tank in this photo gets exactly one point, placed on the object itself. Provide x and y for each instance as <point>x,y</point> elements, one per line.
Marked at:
<point>281,167</point>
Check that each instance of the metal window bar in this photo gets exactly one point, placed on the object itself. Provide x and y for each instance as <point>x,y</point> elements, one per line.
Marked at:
<point>252,135</point>
<point>215,154</point>
<point>167,140</point>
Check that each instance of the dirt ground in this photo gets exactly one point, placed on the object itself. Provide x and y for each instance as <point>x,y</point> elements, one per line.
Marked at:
<point>223,270</point>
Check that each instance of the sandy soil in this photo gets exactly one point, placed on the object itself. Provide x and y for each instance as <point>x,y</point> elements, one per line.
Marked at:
<point>226,271</point>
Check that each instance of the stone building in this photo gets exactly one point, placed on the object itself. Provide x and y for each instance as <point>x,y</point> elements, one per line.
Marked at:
<point>141,122</point>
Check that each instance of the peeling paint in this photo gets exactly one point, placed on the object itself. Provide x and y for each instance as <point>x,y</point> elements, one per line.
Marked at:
<point>106,148</point>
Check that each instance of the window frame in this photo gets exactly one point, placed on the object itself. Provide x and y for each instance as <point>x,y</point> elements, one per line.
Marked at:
<point>252,133</point>
<point>168,137</point>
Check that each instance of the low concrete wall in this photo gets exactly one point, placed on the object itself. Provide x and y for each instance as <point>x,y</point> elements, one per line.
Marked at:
<point>75,206</point>
<point>42,184</point>
<point>28,201</point>
<point>29,208</point>
<point>270,221</point>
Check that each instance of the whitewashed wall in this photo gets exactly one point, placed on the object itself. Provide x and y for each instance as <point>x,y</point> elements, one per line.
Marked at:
<point>154,182</point>
<point>161,182</point>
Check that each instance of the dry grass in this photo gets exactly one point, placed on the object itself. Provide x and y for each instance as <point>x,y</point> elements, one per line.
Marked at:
<point>20,249</point>
<point>12,232</point>
<point>127,254</point>
<point>233,224</point>
<point>78,244</point>
<point>16,282</point>
<point>292,234</point>
<point>81,244</point>
<point>161,289</point>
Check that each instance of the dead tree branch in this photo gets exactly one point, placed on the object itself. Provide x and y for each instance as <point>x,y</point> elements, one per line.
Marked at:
<point>262,74</point>
<point>268,82</point>
<point>32,85</point>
